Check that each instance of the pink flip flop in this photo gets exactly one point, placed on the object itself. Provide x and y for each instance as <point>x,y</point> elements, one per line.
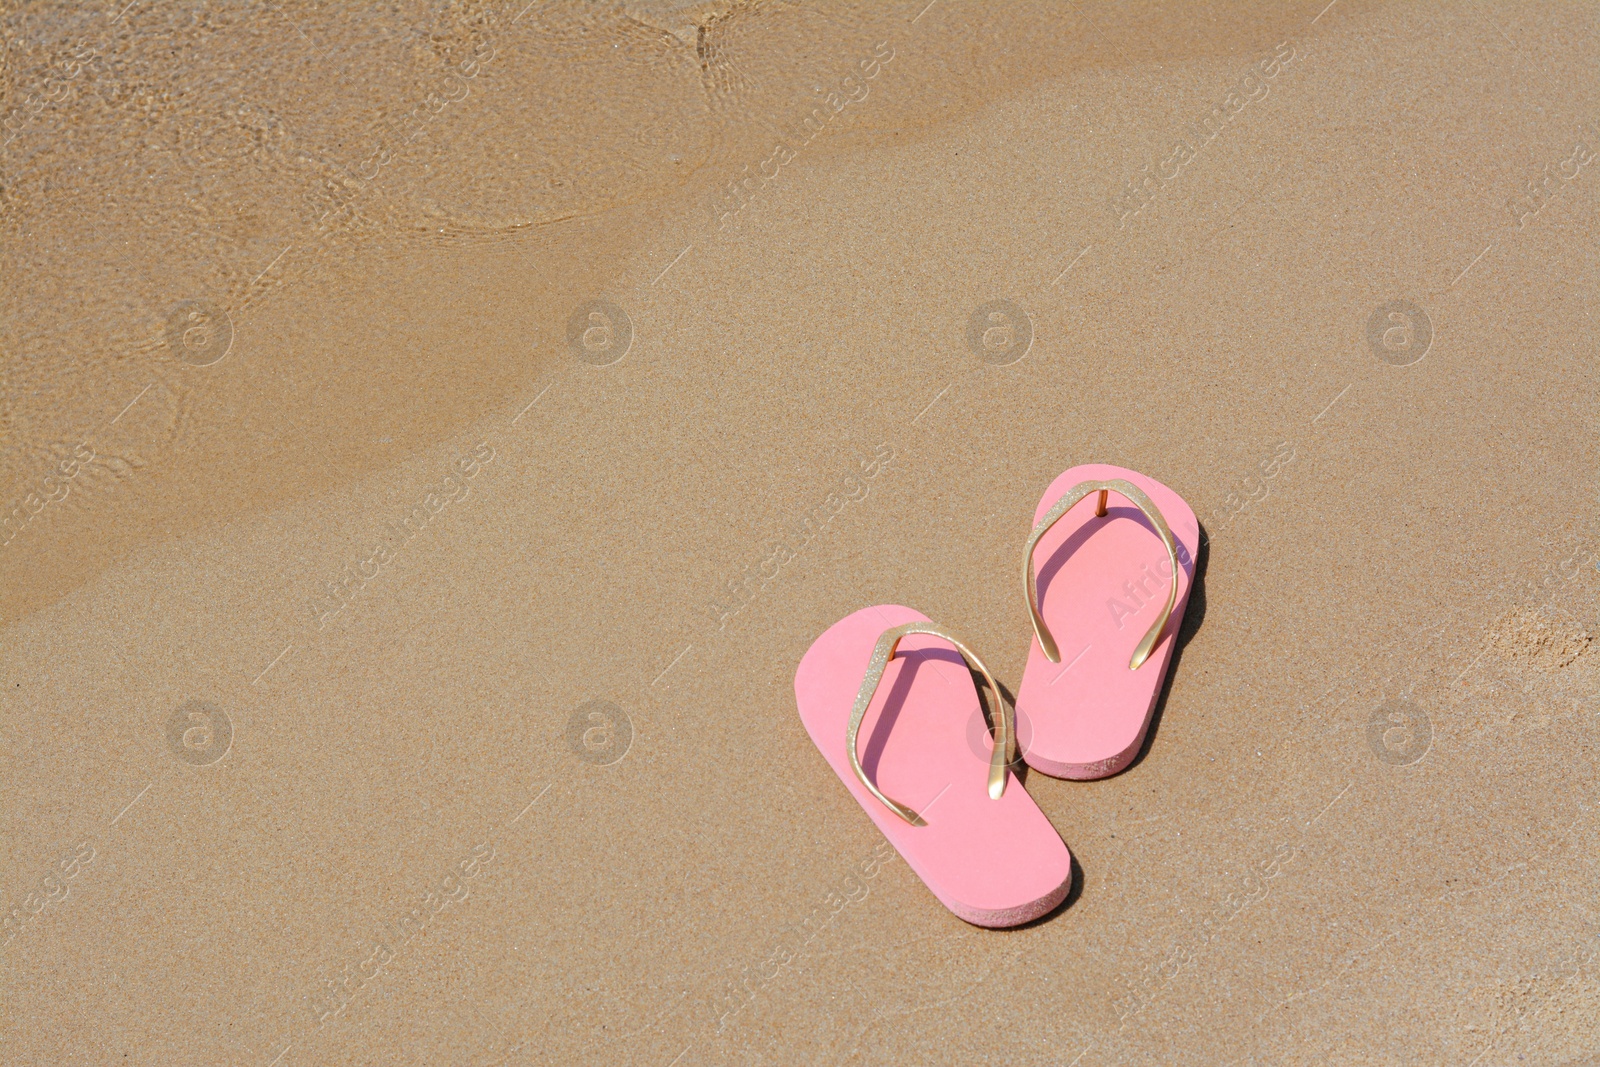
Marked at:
<point>1105,616</point>
<point>888,698</point>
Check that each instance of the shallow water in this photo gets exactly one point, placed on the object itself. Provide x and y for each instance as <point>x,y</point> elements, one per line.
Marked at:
<point>395,211</point>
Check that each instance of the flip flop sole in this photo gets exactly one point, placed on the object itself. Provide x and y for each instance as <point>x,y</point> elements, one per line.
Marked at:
<point>994,863</point>
<point>1102,583</point>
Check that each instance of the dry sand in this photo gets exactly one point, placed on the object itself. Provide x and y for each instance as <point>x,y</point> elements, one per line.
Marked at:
<point>397,659</point>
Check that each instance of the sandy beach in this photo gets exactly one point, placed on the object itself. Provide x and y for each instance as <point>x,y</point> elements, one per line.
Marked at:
<point>431,436</point>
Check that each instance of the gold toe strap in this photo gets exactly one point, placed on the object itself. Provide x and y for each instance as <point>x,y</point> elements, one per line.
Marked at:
<point>1125,488</point>
<point>884,651</point>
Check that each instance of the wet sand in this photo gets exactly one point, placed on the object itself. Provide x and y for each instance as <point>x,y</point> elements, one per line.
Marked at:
<point>429,440</point>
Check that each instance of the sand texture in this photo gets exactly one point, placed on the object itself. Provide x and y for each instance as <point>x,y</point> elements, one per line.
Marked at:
<point>431,433</point>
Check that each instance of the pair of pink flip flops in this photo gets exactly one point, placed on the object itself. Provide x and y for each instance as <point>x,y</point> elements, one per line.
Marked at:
<point>889,699</point>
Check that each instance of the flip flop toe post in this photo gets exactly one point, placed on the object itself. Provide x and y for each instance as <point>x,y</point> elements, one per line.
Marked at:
<point>888,698</point>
